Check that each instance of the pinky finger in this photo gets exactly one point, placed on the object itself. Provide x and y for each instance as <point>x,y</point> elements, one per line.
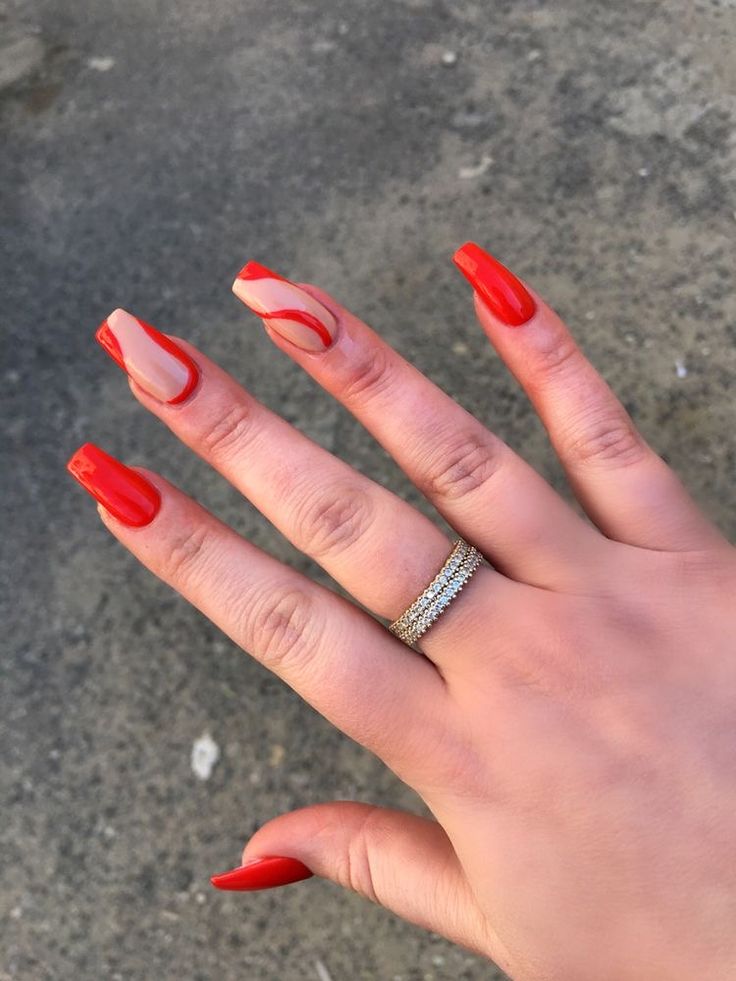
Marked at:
<point>625,487</point>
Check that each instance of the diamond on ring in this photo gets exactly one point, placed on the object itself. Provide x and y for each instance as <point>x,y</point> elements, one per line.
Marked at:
<point>416,620</point>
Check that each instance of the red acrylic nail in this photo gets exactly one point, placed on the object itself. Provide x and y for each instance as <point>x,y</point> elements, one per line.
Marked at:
<point>504,295</point>
<point>262,873</point>
<point>123,492</point>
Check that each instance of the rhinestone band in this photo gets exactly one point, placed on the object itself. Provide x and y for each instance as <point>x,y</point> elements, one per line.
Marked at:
<point>415,621</point>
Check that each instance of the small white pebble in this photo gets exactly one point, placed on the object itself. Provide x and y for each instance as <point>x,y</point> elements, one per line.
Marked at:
<point>201,898</point>
<point>323,46</point>
<point>16,913</point>
<point>534,55</point>
<point>322,973</point>
<point>205,754</point>
<point>590,314</point>
<point>680,368</point>
<point>643,172</point>
<point>449,58</point>
<point>477,170</point>
<point>103,64</point>
<point>460,347</point>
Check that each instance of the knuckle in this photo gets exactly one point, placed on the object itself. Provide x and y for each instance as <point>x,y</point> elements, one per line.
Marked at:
<point>368,376</point>
<point>227,431</point>
<point>332,520</point>
<point>281,629</point>
<point>357,872</point>
<point>186,553</point>
<point>558,357</point>
<point>607,439</point>
<point>463,464</point>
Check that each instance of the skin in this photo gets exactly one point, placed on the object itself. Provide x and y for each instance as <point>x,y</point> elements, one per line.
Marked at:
<point>571,724</point>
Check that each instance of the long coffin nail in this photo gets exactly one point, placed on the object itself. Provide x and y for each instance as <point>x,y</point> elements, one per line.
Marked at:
<point>285,307</point>
<point>151,359</point>
<point>504,295</point>
<point>262,873</point>
<point>123,492</point>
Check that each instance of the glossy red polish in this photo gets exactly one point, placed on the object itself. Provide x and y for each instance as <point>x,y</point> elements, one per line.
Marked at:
<point>504,295</point>
<point>125,493</point>
<point>262,873</point>
<point>149,357</point>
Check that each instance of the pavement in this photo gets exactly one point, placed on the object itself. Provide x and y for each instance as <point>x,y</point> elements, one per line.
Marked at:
<point>147,150</point>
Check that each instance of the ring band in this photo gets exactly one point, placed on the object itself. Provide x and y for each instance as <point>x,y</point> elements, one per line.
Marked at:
<point>459,568</point>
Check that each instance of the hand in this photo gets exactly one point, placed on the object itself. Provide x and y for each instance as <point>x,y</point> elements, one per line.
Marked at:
<point>571,723</point>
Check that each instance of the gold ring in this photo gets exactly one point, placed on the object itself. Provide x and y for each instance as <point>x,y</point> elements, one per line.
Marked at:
<point>459,568</point>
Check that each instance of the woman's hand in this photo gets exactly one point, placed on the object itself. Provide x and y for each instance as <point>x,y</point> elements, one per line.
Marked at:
<point>571,723</point>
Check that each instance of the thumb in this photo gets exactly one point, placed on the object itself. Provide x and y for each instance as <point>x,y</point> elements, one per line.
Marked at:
<point>397,860</point>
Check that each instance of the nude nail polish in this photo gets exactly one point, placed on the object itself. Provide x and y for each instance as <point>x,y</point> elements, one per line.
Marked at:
<point>505,296</point>
<point>149,357</point>
<point>285,308</point>
<point>125,493</point>
<point>262,873</point>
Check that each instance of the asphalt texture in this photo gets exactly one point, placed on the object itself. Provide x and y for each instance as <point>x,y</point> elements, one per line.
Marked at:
<point>146,150</point>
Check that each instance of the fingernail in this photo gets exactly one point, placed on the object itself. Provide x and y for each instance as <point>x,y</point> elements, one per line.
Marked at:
<point>123,492</point>
<point>285,307</point>
<point>151,359</point>
<point>262,873</point>
<point>504,295</point>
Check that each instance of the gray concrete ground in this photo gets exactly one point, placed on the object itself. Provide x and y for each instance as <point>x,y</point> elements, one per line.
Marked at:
<point>147,149</point>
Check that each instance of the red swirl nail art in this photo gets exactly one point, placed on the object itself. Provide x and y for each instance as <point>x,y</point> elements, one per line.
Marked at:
<point>285,307</point>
